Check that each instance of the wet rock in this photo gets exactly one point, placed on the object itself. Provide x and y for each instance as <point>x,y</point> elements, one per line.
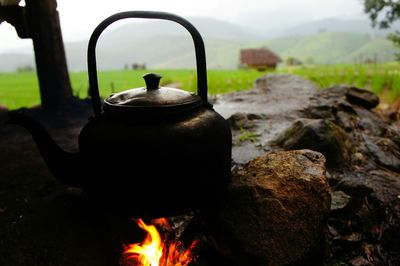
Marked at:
<point>346,120</point>
<point>323,104</point>
<point>353,188</point>
<point>370,122</point>
<point>319,135</point>
<point>339,200</point>
<point>275,211</point>
<point>385,185</point>
<point>384,151</point>
<point>273,94</point>
<point>246,121</point>
<point>359,261</point>
<point>342,105</point>
<point>349,197</point>
<point>364,98</point>
<point>334,92</point>
<point>353,95</point>
<point>287,83</point>
<point>259,115</point>
<point>390,238</point>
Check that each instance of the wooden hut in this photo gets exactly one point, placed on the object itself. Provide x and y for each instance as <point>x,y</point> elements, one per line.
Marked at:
<point>260,59</point>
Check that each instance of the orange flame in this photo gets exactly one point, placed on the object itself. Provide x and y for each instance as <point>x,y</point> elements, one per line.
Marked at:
<point>155,252</point>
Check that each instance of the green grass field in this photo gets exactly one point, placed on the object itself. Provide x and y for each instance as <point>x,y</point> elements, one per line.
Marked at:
<point>22,89</point>
<point>378,78</point>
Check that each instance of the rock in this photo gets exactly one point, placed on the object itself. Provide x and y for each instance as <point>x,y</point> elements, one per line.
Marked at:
<point>323,104</point>
<point>339,200</point>
<point>359,261</point>
<point>348,197</point>
<point>353,95</point>
<point>385,185</point>
<point>319,135</point>
<point>364,98</point>
<point>370,122</point>
<point>246,121</point>
<point>384,151</point>
<point>275,211</point>
<point>353,188</point>
<point>348,107</point>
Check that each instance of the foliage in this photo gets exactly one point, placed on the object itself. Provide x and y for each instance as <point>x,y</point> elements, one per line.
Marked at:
<point>248,136</point>
<point>375,8</point>
<point>377,77</point>
<point>293,61</point>
<point>25,68</point>
<point>395,38</point>
<point>391,11</point>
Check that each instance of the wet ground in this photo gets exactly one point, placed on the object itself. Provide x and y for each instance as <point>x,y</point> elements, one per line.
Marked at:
<point>271,107</point>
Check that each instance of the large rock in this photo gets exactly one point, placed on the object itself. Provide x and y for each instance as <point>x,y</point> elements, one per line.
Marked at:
<point>362,97</point>
<point>319,135</point>
<point>275,211</point>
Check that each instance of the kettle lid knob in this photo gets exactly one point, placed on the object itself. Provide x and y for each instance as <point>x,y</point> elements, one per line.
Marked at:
<point>152,81</point>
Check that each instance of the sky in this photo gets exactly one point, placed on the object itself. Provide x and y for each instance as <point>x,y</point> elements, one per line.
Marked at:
<point>79,17</point>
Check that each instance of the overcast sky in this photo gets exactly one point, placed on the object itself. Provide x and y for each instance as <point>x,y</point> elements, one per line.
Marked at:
<point>79,17</point>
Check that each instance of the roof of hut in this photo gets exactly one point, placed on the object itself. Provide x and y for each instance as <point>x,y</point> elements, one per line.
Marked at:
<point>260,56</point>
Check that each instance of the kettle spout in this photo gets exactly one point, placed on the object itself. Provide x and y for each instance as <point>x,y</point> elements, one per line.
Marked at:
<point>65,166</point>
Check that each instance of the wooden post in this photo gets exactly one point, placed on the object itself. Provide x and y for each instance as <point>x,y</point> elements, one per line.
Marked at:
<point>44,29</point>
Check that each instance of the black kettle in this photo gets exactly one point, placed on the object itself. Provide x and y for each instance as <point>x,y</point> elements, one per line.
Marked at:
<point>146,152</point>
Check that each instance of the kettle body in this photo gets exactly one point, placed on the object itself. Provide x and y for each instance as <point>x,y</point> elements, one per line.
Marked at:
<point>146,152</point>
<point>157,169</point>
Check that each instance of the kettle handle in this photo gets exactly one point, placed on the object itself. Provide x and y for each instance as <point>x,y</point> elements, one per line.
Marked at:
<point>197,39</point>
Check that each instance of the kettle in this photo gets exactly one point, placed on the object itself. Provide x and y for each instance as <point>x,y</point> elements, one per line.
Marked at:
<point>147,152</point>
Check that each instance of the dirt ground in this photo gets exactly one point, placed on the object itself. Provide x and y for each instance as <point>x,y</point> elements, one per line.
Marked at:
<point>43,222</point>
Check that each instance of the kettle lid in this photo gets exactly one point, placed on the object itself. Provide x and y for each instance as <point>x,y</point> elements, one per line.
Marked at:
<point>151,98</point>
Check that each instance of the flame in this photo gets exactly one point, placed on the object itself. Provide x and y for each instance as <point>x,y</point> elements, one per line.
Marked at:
<point>153,251</point>
<point>150,250</point>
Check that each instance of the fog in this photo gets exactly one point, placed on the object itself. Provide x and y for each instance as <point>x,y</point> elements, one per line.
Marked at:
<point>78,18</point>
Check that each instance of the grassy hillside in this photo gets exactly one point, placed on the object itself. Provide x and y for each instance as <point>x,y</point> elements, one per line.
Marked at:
<point>381,48</point>
<point>333,47</point>
<point>177,51</point>
<point>168,45</point>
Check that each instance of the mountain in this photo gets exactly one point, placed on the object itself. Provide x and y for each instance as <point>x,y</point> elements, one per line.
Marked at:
<point>335,25</point>
<point>209,27</point>
<point>333,47</point>
<point>168,45</point>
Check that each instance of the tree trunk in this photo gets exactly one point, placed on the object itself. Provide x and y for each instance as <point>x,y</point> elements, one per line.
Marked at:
<point>45,31</point>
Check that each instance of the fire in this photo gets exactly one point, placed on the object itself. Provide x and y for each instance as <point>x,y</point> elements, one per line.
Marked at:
<point>149,252</point>
<point>155,251</point>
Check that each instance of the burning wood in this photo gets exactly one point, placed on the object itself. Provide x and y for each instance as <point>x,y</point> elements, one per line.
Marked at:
<point>157,251</point>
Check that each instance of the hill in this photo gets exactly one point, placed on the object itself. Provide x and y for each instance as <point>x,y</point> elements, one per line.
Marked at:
<point>335,25</point>
<point>168,45</point>
<point>333,47</point>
